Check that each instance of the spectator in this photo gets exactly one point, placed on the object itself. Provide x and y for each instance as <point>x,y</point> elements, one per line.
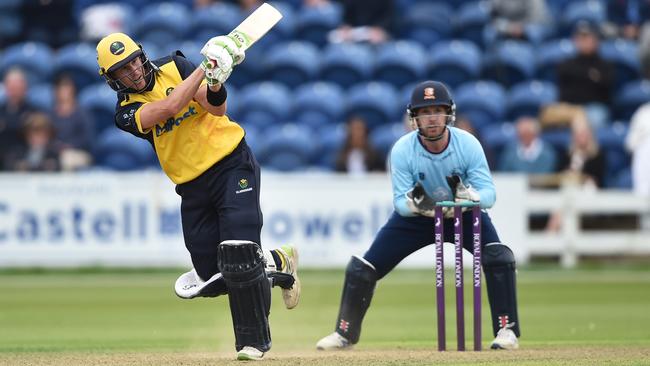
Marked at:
<point>625,17</point>
<point>637,143</point>
<point>511,17</point>
<point>39,153</point>
<point>585,83</point>
<point>51,22</point>
<point>13,111</point>
<point>529,154</point>
<point>74,126</point>
<point>358,156</point>
<point>365,21</point>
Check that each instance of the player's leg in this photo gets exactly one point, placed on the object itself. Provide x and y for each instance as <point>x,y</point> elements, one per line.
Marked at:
<point>500,277</point>
<point>395,241</point>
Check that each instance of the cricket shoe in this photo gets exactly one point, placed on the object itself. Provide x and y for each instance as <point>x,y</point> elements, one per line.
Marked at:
<point>249,353</point>
<point>291,295</point>
<point>506,338</point>
<point>333,341</point>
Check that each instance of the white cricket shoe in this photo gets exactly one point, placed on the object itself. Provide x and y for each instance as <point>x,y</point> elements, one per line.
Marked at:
<point>291,296</point>
<point>333,341</point>
<point>506,338</point>
<point>249,353</point>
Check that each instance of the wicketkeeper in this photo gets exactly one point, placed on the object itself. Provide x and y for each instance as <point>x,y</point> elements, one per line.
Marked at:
<point>437,162</point>
<point>180,109</point>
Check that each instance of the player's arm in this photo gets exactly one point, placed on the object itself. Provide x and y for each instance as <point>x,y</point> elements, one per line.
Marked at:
<point>212,98</point>
<point>153,112</point>
<point>401,179</point>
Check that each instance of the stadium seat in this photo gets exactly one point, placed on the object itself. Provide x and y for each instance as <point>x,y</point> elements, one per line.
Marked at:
<point>611,141</point>
<point>549,55</point>
<point>249,71</point>
<point>190,49</point>
<point>217,19</point>
<point>346,64</point>
<point>264,104</point>
<point>313,23</point>
<point>454,62</point>
<point>526,98</point>
<point>399,63</point>
<point>291,63</point>
<point>77,60</point>
<point>483,102</point>
<point>630,97</point>
<point>624,54</point>
<point>331,140</point>
<point>283,31</point>
<point>559,138</point>
<point>509,63</point>
<point>498,136</point>
<point>41,96</point>
<point>33,58</point>
<point>383,137</point>
<point>162,23</point>
<point>470,20</point>
<point>154,52</point>
<point>233,102</point>
<point>318,104</point>
<point>426,22</point>
<point>100,100</point>
<point>376,102</point>
<point>592,11</point>
<point>121,151</point>
<point>287,147</point>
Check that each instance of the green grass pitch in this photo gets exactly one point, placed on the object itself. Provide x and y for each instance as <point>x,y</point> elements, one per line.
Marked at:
<point>113,317</point>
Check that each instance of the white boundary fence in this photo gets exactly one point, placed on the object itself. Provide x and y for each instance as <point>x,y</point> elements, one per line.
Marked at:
<point>134,219</point>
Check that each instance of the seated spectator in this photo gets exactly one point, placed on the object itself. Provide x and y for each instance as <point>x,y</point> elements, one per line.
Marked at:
<point>39,153</point>
<point>13,111</point>
<point>585,83</point>
<point>529,154</point>
<point>510,17</point>
<point>357,156</point>
<point>74,126</point>
<point>365,21</point>
<point>637,143</point>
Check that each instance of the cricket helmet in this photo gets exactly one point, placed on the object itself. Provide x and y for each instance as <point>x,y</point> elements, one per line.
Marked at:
<point>116,50</point>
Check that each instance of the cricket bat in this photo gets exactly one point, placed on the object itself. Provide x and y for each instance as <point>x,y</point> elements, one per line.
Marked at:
<point>256,25</point>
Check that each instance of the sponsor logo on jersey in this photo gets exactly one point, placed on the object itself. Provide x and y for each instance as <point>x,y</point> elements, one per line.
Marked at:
<point>169,125</point>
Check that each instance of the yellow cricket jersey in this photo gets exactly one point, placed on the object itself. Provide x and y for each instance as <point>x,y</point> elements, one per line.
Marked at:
<point>190,142</point>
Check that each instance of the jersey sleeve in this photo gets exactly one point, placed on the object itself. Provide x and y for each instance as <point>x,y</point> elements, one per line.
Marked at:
<point>185,67</point>
<point>478,173</point>
<point>126,119</point>
<point>401,178</point>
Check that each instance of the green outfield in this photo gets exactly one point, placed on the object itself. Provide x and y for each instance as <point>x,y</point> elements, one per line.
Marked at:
<point>568,317</point>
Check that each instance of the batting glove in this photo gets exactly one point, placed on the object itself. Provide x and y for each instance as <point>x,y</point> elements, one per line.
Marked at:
<point>420,202</point>
<point>214,74</point>
<point>216,46</point>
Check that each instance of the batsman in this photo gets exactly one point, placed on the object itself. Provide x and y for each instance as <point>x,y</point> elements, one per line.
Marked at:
<point>180,110</point>
<point>436,162</point>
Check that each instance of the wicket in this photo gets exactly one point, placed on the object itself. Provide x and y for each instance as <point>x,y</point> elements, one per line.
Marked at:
<point>458,272</point>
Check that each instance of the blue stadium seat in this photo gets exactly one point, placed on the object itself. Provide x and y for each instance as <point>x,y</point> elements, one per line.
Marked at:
<point>454,62</point>
<point>622,181</point>
<point>483,102</point>
<point>283,31</point>
<point>313,23</point>
<point>526,98</point>
<point>509,63</point>
<point>624,54</point>
<point>121,151</point>
<point>217,19</point>
<point>470,20</point>
<point>498,136</point>
<point>592,11</point>
<point>318,104</point>
<point>291,63</point>
<point>331,139</point>
<point>399,63</point>
<point>376,102</point>
<point>249,71</point>
<point>611,141</point>
<point>383,137</point>
<point>426,22</point>
<point>233,102</point>
<point>78,60</point>
<point>560,139</point>
<point>549,55</point>
<point>630,97</point>
<point>162,23</point>
<point>100,100</point>
<point>34,59</point>
<point>190,49</point>
<point>264,104</point>
<point>11,22</point>
<point>41,96</point>
<point>154,52</point>
<point>346,63</point>
<point>287,147</point>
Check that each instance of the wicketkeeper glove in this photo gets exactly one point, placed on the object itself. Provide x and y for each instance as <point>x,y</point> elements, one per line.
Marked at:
<point>420,202</point>
<point>461,191</point>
